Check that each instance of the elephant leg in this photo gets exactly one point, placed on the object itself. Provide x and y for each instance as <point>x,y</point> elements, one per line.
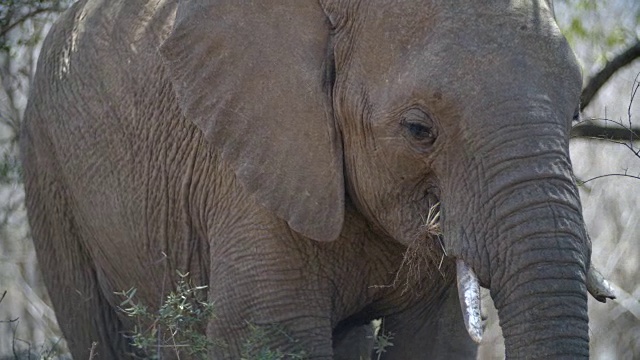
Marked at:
<point>258,334</point>
<point>353,343</point>
<point>436,333</point>
<point>82,312</point>
<point>267,311</point>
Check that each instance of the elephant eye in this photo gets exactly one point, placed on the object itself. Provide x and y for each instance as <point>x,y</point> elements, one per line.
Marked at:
<point>419,128</point>
<point>419,131</point>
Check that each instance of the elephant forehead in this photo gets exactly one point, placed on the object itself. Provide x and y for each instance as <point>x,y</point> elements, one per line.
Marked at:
<point>406,18</point>
<point>477,54</point>
<point>394,47</point>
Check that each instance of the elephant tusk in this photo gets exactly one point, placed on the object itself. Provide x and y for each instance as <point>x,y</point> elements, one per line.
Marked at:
<point>469,294</point>
<point>598,286</point>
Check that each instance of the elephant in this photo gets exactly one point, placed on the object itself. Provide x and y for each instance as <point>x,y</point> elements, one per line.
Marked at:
<point>317,165</point>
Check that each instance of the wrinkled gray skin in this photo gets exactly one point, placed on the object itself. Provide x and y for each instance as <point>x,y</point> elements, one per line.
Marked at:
<point>286,155</point>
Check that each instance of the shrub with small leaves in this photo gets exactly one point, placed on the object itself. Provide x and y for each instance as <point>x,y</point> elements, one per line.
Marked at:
<point>256,346</point>
<point>382,341</point>
<point>178,324</point>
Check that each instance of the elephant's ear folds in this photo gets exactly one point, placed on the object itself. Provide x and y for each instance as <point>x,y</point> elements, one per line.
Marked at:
<point>249,74</point>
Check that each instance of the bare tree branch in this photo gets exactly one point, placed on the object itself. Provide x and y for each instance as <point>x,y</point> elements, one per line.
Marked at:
<point>625,134</point>
<point>595,82</point>
<point>4,31</point>
<point>595,131</point>
<point>599,129</point>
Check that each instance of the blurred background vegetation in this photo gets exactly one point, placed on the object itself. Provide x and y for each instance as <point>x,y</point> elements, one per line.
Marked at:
<point>605,35</point>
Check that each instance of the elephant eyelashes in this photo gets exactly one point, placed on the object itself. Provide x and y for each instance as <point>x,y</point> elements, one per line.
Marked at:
<point>419,128</point>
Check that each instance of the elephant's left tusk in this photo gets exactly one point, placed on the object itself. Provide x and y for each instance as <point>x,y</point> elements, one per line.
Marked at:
<point>469,294</point>
<point>598,286</point>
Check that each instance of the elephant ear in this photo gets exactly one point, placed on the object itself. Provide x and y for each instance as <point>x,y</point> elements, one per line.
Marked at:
<point>250,75</point>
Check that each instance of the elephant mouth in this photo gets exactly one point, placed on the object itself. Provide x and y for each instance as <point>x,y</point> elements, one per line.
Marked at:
<point>470,303</point>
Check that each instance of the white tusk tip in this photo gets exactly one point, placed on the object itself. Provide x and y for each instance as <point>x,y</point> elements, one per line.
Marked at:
<point>598,286</point>
<point>469,295</point>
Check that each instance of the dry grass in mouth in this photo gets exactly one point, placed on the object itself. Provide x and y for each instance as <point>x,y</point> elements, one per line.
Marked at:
<point>432,222</point>
<point>423,256</point>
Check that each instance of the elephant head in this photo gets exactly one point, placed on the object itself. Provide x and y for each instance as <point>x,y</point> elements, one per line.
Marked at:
<point>395,106</point>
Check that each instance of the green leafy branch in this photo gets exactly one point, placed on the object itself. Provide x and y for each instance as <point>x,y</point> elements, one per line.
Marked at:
<point>178,324</point>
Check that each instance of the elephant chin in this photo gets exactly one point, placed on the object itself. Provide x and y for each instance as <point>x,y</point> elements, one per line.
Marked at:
<point>469,294</point>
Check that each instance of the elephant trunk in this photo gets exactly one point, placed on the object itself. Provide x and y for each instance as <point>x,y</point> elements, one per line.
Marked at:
<point>530,248</point>
<point>545,317</point>
<point>538,264</point>
<point>542,299</point>
<point>538,261</point>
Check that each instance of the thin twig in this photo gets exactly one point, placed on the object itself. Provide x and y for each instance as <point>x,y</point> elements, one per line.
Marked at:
<point>92,350</point>
<point>4,293</point>
<point>24,18</point>
<point>634,91</point>
<point>15,339</point>
<point>628,142</point>
<point>607,175</point>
